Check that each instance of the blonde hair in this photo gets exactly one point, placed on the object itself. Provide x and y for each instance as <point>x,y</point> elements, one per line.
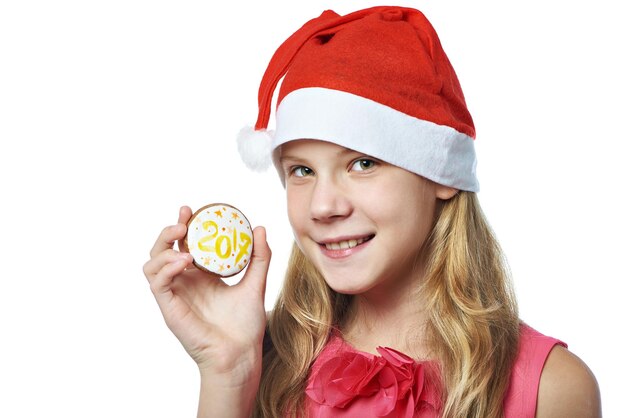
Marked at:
<point>473,321</point>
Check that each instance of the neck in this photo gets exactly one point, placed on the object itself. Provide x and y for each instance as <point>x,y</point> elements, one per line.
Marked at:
<point>391,317</point>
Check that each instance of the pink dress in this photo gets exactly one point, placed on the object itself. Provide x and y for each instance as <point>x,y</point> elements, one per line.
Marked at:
<point>347,383</point>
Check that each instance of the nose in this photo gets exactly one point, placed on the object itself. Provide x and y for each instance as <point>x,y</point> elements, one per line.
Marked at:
<point>330,200</point>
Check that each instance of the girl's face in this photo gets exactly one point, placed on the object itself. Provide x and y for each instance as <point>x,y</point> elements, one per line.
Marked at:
<point>360,221</point>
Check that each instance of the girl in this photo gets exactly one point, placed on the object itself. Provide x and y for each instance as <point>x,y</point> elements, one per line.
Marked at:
<point>396,302</point>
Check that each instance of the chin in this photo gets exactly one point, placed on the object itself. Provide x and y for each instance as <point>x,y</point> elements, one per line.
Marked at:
<point>347,285</point>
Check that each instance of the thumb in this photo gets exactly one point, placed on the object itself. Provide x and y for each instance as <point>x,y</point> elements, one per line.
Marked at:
<point>256,274</point>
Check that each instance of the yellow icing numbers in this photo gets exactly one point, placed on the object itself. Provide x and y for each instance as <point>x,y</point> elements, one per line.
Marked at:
<point>223,245</point>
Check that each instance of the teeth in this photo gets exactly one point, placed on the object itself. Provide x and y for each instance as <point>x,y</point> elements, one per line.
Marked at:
<point>344,245</point>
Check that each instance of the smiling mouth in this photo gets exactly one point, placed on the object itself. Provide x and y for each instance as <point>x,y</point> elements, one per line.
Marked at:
<point>347,244</point>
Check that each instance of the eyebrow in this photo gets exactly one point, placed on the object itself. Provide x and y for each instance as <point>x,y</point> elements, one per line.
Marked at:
<point>341,153</point>
<point>289,157</point>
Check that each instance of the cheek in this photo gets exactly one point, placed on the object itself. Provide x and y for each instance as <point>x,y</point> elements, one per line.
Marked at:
<point>423,217</point>
<point>409,213</point>
<point>296,210</point>
<point>386,203</point>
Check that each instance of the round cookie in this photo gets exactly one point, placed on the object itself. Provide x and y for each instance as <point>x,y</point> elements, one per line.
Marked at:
<point>219,237</point>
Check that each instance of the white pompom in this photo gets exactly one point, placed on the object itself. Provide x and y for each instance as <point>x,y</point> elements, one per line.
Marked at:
<point>255,148</point>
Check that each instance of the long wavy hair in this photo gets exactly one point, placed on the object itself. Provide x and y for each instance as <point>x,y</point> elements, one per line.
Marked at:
<point>472,325</point>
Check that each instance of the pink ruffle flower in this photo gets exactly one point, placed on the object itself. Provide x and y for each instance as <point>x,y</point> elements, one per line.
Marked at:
<point>354,384</point>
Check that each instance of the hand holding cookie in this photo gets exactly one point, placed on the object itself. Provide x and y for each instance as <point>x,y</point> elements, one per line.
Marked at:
<point>218,324</point>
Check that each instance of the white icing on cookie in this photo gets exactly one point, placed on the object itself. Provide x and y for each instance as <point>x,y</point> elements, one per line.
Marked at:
<point>219,237</point>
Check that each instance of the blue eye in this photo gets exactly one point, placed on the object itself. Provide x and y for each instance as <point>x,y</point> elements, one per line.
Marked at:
<point>301,171</point>
<point>363,164</point>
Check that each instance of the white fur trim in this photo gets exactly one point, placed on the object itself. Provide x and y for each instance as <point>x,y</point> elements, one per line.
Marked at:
<point>437,152</point>
<point>254,147</point>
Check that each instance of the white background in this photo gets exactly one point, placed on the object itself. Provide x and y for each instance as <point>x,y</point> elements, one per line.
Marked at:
<point>114,113</point>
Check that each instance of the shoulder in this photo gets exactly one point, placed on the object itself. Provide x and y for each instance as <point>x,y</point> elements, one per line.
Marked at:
<point>567,387</point>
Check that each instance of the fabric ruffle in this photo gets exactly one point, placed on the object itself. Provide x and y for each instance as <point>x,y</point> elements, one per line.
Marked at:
<point>347,383</point>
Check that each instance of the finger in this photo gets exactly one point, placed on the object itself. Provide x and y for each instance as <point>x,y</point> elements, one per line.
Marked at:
<point>173,233</point>
<point>167,238</point>
<point>184,215</point>
<point>154,265</point>
<point>162,280</point>
<point>256,274</point>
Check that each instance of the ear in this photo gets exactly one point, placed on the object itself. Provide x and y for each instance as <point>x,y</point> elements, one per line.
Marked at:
<point>445,192</point>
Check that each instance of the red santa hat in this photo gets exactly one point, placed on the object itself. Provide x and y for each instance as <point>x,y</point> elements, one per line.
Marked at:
<point>376,81</point>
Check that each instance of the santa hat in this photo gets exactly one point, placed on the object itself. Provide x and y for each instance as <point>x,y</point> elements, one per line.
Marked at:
<point>376,81</point>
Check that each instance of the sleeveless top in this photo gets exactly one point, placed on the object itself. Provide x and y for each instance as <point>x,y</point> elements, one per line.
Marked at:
<point>347,383</point>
